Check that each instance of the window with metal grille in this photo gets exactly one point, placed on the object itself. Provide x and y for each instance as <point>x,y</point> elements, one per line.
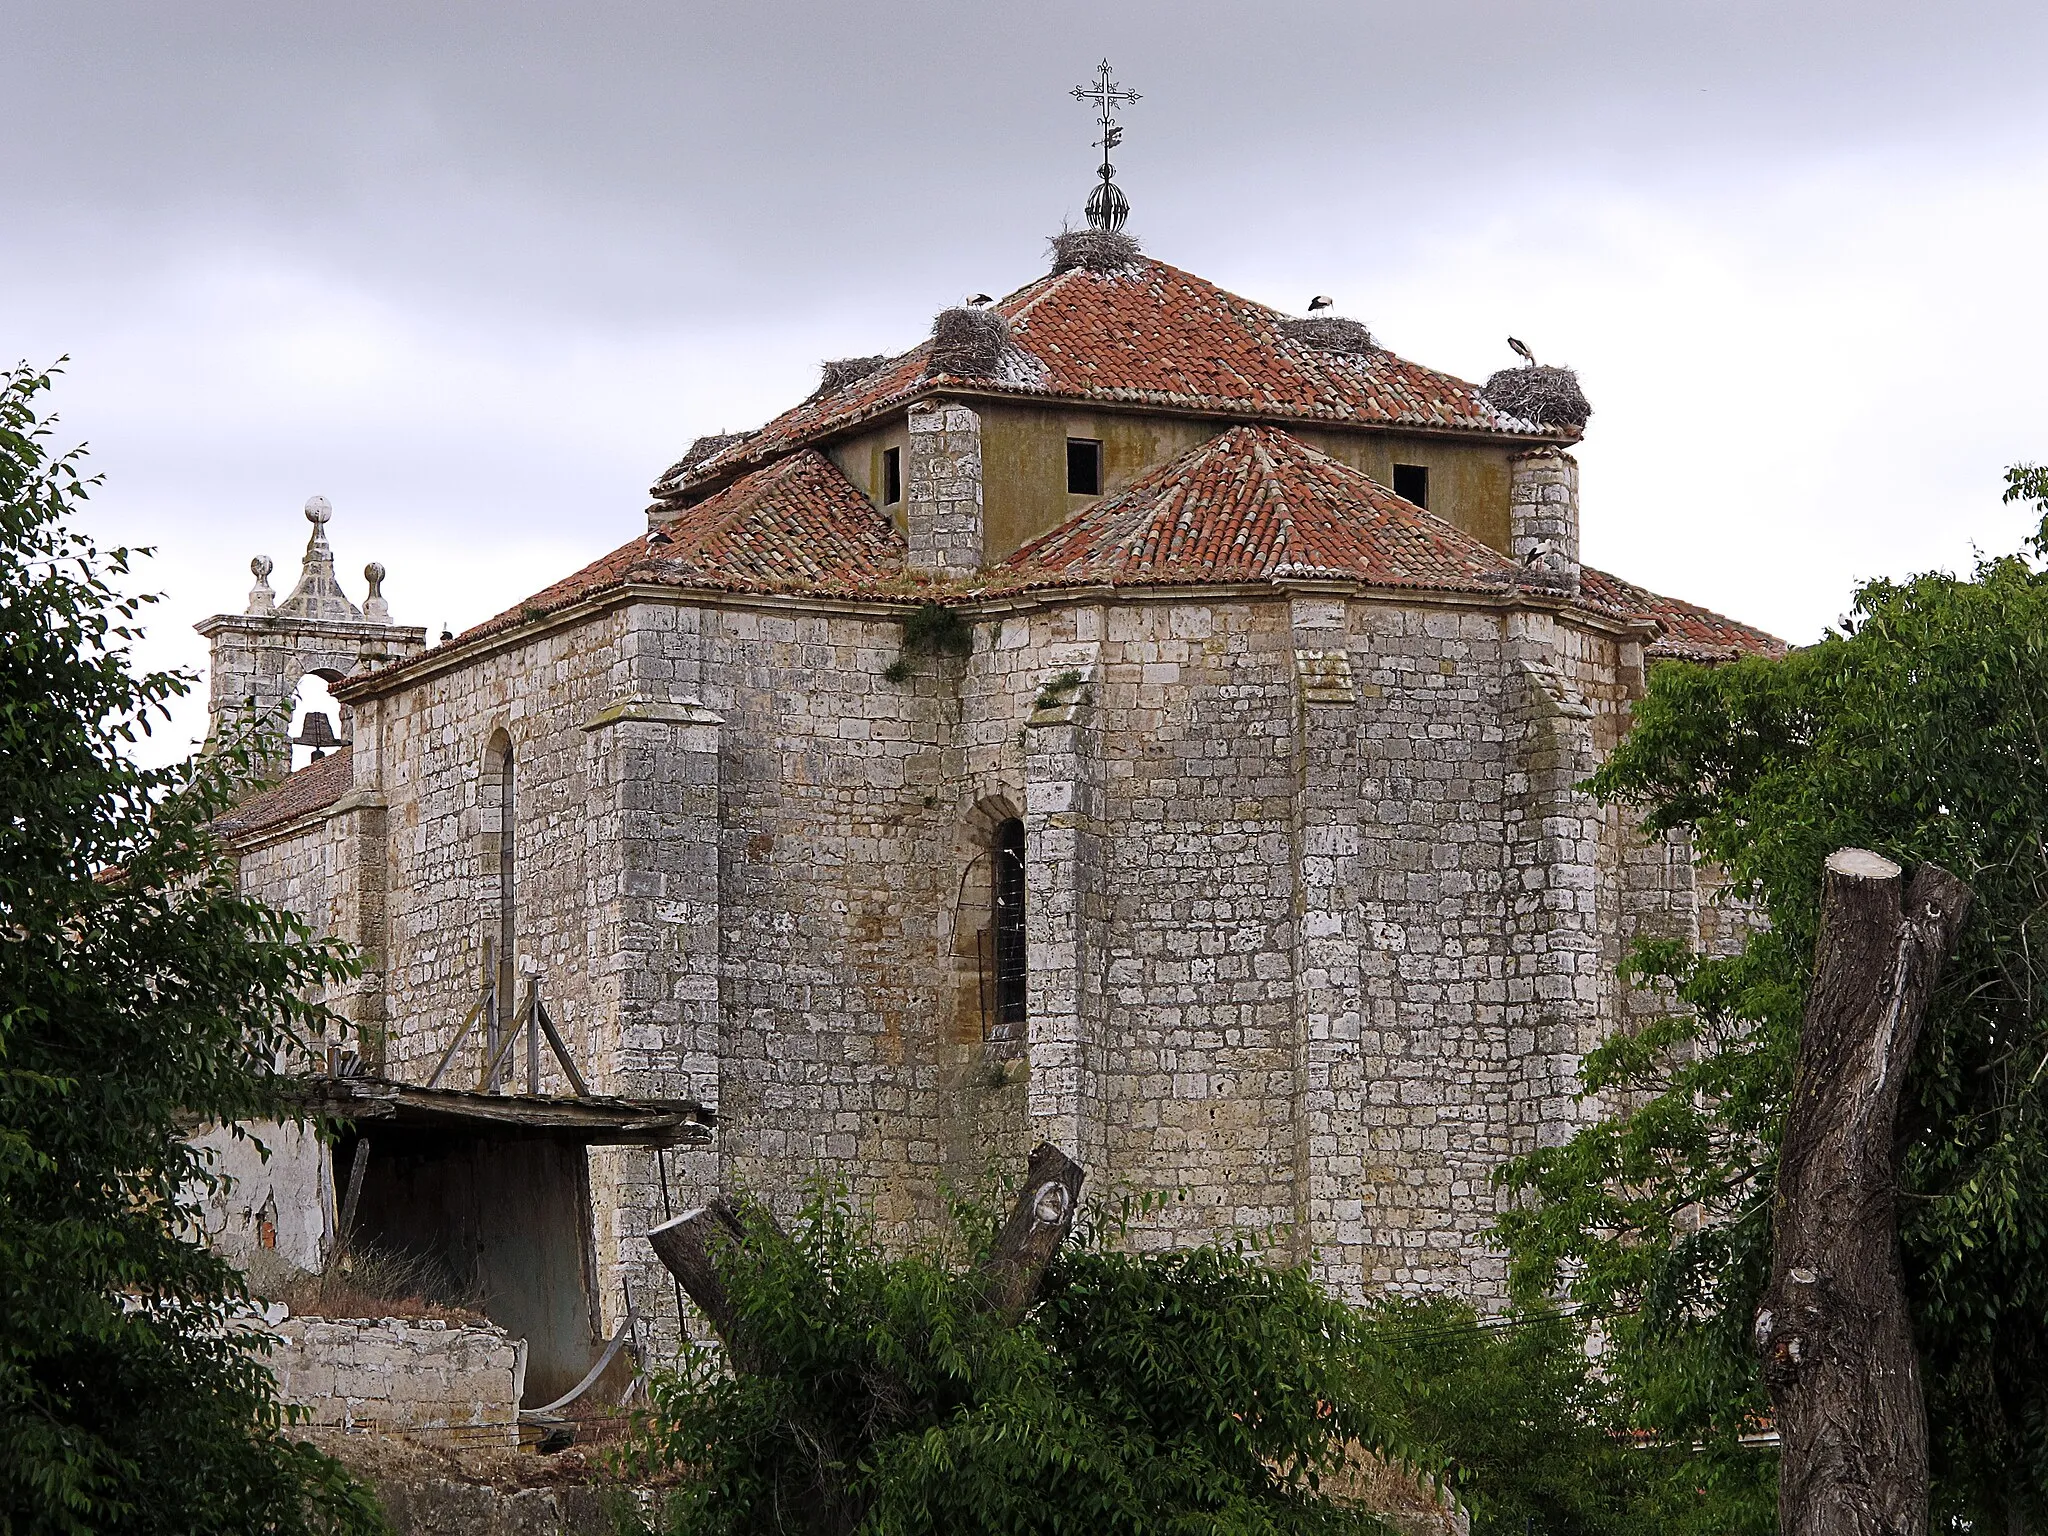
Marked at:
<point>1411,483</point>
<point>892,476</point>
<point>1007,900</point>
<point>1084,467</point>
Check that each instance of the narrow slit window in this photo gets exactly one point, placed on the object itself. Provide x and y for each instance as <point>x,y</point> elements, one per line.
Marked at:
<point>1084,467</point>
<point>892,476</point>
<point>499,782</point>
<point>1411,483</point>
<point>1007,899</point>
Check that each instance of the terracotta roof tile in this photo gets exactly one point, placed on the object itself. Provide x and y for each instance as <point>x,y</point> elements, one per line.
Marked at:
<point>1255,504</point>
<point>314,787</point>
<point>1690,633</point>
<point>1154,335</point>
<point>798,525</point>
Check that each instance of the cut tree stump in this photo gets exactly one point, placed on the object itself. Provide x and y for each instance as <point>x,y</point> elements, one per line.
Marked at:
<point>690,1247</point>
<point>1834,1333</point>
<point>1039,1222</point>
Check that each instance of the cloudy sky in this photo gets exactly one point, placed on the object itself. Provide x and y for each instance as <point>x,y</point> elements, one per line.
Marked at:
<point>477,272</point>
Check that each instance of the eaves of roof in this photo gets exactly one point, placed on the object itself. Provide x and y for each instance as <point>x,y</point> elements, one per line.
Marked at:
<point>1155,339</point>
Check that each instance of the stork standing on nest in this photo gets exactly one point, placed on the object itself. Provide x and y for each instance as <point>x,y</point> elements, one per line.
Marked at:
<point>1320,301</point>
<point>979,299</point>
<point>1521,350</point>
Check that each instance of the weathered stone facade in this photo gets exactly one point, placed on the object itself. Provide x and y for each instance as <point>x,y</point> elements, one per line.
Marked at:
<point>1311,961</point>
<point>1318,923</point>
<point>460,1383</point>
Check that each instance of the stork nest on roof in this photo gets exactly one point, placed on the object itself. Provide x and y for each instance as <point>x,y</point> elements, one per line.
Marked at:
<point>1332,333</point>
<point>842,371</point>
<point>1548,396</point>
<point>970,343</point>
<point>698,451</point>
<point>1095,250</point>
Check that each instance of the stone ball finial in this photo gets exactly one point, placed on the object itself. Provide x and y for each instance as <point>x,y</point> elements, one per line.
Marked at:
<point>375,609</point>
<point>261,599</point>
<point>318,510</point>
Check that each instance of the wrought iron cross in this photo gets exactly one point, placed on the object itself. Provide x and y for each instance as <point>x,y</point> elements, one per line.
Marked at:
<point>1107,95</point>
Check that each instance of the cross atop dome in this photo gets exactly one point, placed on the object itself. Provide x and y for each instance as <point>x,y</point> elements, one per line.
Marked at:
<point>1107,205</point>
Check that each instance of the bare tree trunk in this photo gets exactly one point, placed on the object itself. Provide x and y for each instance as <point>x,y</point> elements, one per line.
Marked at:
<point>688,1247</point>
<point>1038,1224</point>
<point>1833,1331</point>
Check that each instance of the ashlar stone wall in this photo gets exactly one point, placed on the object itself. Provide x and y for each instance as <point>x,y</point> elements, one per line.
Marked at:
<point>1319,925</point>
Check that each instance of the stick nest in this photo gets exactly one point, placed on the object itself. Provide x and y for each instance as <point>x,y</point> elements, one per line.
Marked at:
<point>842,371</point>
<point>1094,250</point>
<point>702,449</point>
<point>1548,396</point>
<point>1333,333</point>
<point>969,343</point>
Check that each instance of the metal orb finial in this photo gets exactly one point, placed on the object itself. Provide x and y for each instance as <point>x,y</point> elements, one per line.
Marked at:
<point>1107,205</point>
<point>318,510</point>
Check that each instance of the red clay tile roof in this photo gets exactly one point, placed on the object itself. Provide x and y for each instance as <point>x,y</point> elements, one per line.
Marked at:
<point>797,526</point>
<point>1690,633</point>
<point>314,787</point>
<point>1255,504</point>
<point>1154,335</point>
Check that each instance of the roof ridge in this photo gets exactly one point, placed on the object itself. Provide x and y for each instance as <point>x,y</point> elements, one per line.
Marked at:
<point>1271,483</point>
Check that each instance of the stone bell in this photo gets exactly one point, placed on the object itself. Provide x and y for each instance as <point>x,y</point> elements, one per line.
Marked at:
<point>318,733</point>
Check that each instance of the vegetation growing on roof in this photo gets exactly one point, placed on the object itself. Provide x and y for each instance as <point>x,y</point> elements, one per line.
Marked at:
<point>1548,396</point>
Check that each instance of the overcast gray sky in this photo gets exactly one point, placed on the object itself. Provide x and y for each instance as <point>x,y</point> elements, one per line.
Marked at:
<point>478,272</point>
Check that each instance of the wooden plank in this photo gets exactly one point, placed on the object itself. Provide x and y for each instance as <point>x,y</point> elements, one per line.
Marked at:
<point>561,1051</point>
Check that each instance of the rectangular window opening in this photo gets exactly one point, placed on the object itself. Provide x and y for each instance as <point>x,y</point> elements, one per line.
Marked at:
<point>892,476</point>
<point>1411,483</point>
<point>1084,467</point>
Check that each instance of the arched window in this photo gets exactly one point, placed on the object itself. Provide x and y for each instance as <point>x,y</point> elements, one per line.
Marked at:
<point>1007,913</point>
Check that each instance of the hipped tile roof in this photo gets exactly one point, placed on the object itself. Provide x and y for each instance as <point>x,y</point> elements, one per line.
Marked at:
<point>313,788</point>
<point>798,525</point>
<point>1689,632</point>
<point>1150,335</point>
<point>1255,504</point>
<point>1252,505</point>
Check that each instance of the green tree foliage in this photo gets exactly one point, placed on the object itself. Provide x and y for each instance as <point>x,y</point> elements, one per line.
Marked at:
<point>139,995</point>
<point>1198,1391</point>
<point>1517,1421</point>
<point>1919,729</point>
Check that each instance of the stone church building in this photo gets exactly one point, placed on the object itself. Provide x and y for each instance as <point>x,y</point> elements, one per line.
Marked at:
<point>1132,718</point>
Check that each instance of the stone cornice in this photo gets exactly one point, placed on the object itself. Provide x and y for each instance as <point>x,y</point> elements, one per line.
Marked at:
<point>441,659</point>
